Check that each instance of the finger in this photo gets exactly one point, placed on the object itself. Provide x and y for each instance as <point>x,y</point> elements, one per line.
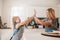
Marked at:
<point>34,12</point>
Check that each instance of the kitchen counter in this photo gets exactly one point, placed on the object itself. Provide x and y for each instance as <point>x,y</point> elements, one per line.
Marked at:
<point>5,34</point>
<point>29,34</point>
<point>35,34</point>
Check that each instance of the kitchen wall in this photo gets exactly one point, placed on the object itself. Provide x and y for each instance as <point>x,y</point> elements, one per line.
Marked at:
<point>0,7</point>
<point>59,13</point>
<point>24,10</point>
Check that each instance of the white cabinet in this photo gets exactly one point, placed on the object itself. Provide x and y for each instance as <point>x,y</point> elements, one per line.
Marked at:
<point>5,34</point>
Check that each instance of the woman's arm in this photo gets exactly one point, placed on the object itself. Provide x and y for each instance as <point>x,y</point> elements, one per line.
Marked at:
<point>41,22</point>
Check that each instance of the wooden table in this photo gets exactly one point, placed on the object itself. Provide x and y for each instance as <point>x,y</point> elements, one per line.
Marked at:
<point>51,34</point>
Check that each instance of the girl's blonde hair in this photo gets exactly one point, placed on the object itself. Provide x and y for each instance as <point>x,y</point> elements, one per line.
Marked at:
<point>15,18</point>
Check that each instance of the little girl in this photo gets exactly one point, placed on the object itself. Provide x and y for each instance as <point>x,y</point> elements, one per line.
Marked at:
<point>19,27</point>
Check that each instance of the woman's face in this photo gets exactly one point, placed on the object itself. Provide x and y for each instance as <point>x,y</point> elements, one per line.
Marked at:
<point>48,15</point>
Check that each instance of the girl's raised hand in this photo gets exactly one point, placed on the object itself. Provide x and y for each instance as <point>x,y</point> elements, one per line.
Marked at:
<point>34,13</point>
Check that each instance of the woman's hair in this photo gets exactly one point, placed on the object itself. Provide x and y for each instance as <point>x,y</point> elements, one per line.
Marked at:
<point>51,14</point>
<point>15,18</point>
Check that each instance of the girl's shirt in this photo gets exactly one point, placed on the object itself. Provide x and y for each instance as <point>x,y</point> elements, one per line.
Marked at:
<point>16,30</point>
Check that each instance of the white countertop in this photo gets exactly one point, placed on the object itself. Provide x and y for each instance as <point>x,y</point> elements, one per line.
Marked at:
<point>35,34</point>
<point>29,34</point>
<point>5,34</point>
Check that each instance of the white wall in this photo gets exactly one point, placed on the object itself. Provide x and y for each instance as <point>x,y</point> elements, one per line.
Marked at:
<point>59,12</point>
<point>0,7</point>
<point>27,10</point>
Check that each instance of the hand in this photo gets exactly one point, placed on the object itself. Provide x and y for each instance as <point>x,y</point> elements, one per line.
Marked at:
<point>36,19</point>
<point>34,13</point>
<point>17,26</point>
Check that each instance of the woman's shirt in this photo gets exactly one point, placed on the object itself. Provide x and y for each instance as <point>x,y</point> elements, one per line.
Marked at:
<point>50,28</point>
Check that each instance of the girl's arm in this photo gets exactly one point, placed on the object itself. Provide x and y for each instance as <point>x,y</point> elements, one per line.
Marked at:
<point>38,21</point>
<point>27,20</point>
<point>24,22</point>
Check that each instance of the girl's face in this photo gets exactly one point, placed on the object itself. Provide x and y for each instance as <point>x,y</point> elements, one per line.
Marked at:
<point>17,20</point>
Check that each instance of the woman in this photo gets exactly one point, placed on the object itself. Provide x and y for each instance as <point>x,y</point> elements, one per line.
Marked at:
<point>19,27</point>
<point>50,22</point>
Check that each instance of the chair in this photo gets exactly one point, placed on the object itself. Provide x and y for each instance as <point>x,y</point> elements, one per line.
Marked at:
<point>0,22</point>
